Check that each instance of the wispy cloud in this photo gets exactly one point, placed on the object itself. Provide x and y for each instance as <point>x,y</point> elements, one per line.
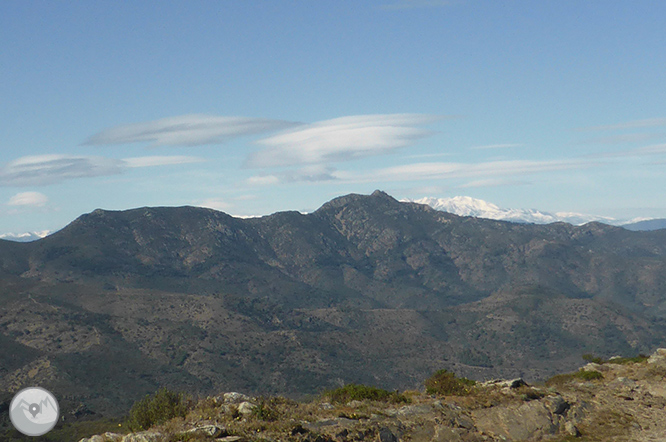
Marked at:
<point>625,138</point>
<point>40,170</point>
<point>215,204</point>
<point>649,122</point>
<point>263,180</point>
<point>152,161</point>
<point>341,139</point>
<point>413,4</point>
<point>187,130</point>
<point>494,182</point>
<point>495,146</point>
<point>655,149</point>
<point>430,171</point>
<point>429,155</point>
<point>314,173</point>
<point>31,199</point>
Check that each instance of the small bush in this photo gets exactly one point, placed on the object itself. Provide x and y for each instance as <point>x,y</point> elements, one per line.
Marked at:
<point>356,392</point>
<point>588,375</point>
<point>265,411</point>
<point>624,361</point>
<point>156,409</point>
<point>560,379</point>
<point>527,393</point>
<point>444,382</point>
<point>589,357</point>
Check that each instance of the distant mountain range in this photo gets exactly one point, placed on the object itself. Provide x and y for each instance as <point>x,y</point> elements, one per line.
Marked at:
<point>467,206</point>
<point>365,289</point>
<point>25,237</point>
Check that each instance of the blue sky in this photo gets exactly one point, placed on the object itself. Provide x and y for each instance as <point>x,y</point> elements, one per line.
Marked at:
<point>255,107</point>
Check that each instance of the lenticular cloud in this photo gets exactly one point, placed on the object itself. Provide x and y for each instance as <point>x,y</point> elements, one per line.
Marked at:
<point>48,169</point>
<point>341,139</point>
<point>186,130</point>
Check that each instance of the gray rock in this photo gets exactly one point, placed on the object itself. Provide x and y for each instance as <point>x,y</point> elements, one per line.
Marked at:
<point>556,404</point>
<point>340,421</point>
<point>386,435</point>
<point>208,430</point>
<point>528,421</point>
<point>326,406</point>
<point>659,356</point>
<point>230,439</point>
<point>106,437</point>
<point>235,398</point>
<point>592,366</point>
<point>502,383</point>
<point>571,429</point>
<point>413,410</point>
<point>144,436</point>
<point>423,433</point>
<point>246,408</point>
<point>463,421</point>
<point>446,434</point>
<point>355,404</point>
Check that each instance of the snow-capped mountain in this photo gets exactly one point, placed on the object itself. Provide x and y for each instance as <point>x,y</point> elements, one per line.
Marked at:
<point>25,237</point>
<point>467,206</point>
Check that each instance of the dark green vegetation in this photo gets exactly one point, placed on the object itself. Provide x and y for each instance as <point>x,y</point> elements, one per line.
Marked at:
<point>156,409</point>
<point>560,379</point>
<point>364,290</point>
<point>444,382</point>
<point>356,392</point>
<point>615,360</point>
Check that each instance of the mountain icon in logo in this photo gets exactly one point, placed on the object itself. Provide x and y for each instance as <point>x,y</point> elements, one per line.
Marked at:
<point>34,411</point>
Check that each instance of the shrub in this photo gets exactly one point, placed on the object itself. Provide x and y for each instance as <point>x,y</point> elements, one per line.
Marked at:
<point>444,382</point>
<point>560,379</point>
<point>153,410</point>
<point>624,361</point>
<point>356,392</point>
<point>597,360</point>
<point>589,357</point>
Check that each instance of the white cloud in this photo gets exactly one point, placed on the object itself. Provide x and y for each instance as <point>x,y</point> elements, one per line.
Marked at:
<point>430,171</point>
<point>151,161</point>
<point>625,138</point>
<point>39,170</point>
<point>187,130</point>
<point>429,155</point>
<point>313,173</point>
<point>263,180</point>
<point>341,139</point>
<point>655,149</point>
<point>214,203</point>
<point>493,182</point>
<point>34,199</point>
<point>495,146</point>
<point>649,122</point>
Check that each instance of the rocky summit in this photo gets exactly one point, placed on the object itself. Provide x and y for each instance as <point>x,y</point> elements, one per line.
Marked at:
<point>615,400</point>
<point>364,290</point>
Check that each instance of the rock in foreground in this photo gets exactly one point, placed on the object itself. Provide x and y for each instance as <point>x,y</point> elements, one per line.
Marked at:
<point>623,400</point>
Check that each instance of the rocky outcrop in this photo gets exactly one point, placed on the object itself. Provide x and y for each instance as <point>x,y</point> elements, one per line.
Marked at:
<point>627,403</point>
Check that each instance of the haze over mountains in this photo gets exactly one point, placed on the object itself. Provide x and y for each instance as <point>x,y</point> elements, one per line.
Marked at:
<point>365,289</point>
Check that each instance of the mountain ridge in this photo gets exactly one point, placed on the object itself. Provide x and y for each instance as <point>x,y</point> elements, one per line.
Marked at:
<point>364,289</point>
